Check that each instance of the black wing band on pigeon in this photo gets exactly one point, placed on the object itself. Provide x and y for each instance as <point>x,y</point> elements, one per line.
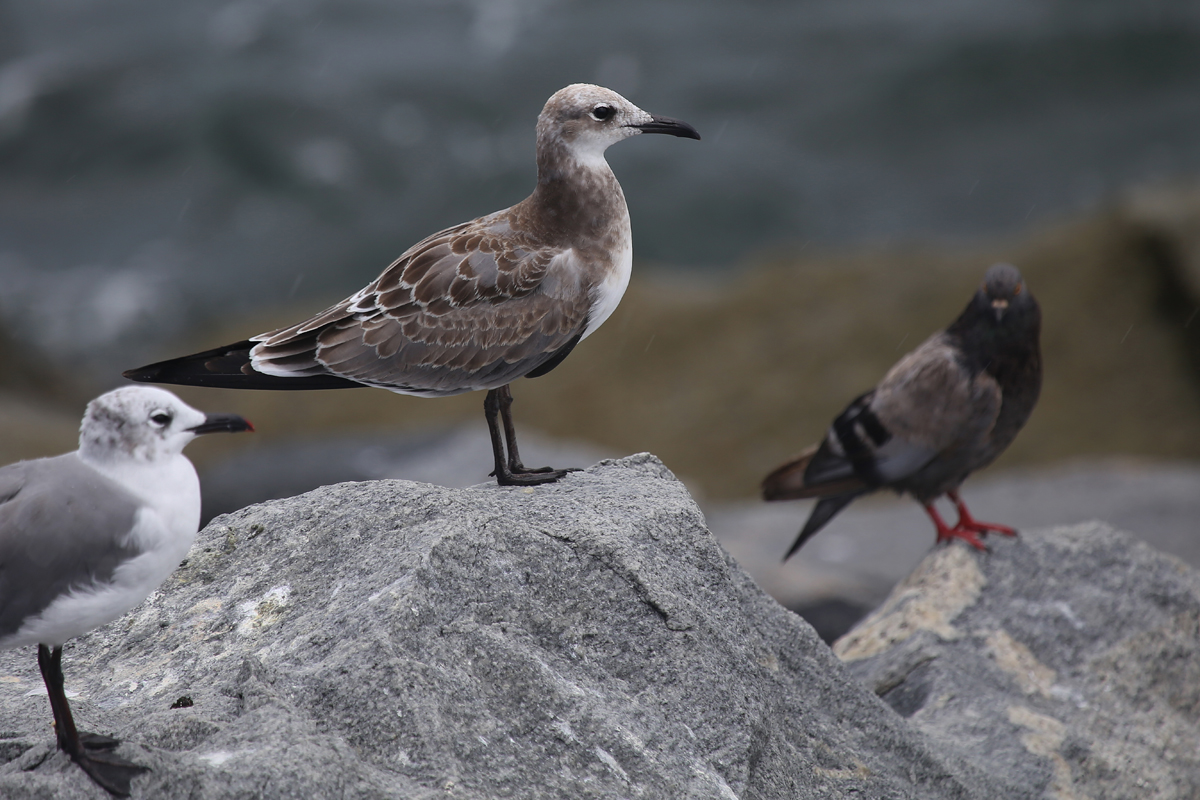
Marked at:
<point>861,434</point>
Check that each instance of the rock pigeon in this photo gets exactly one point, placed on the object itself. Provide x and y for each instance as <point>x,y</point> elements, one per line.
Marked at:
<point>946,409</point>
<point>86,536</point>
<point>475,306</point>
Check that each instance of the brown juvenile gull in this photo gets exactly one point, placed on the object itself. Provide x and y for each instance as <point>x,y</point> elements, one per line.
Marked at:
<point>86,536</point>
<point>480,304</point>
<point>946,409</point>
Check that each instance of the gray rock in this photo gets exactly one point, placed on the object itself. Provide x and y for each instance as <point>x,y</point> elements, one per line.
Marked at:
<point>878,541</point>
<point>588,638</point>
<point>453,457</point>
<point>1065,663</point>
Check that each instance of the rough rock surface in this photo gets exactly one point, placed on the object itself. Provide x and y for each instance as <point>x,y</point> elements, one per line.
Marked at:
<point>879,540</point>
<point>390,639</point>
<point>1065,663</point>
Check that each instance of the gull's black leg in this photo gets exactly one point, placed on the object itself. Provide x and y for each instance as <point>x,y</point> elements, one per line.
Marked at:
<point>491,411</point>
<point>504,397</point>
<point>90,751</point>
<point>510,471</point>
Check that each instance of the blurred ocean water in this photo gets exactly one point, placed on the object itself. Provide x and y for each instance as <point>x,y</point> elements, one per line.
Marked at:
<point>166,163</point>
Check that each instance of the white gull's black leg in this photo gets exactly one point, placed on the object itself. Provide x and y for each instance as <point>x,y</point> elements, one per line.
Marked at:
<point>92,752</point>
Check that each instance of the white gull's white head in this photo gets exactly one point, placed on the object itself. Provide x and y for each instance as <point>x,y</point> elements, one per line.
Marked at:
<point>140,423</point>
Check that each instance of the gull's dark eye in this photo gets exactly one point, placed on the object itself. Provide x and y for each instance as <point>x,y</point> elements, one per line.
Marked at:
<point>603,112</point>
<point>161,418</point>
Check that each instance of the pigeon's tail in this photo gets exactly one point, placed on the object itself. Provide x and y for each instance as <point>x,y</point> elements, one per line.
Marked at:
<point>787,481</point>
<point>228,367</point>
<point>825,510</point>
<point>791,481</point>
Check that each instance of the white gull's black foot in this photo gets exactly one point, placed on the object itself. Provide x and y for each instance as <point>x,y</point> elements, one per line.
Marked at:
<point>113,773</point>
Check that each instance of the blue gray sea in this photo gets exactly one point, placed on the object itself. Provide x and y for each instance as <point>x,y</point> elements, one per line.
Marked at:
<point>167,164</point>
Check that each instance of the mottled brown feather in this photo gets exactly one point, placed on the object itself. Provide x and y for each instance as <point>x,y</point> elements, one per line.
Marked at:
<point>449,305</point>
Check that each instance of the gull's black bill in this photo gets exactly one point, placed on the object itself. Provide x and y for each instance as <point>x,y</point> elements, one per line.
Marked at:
<point>667,125</point>
<point>223,423</point>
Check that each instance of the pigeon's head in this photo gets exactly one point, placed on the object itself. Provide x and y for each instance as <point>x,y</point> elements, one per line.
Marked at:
<point>1003,311</point>
<point>1005,293</point>
<point>585,119</point>
<point>145,423</point>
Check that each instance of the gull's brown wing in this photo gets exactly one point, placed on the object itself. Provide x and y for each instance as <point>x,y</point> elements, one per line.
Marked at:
<point>472,307</point>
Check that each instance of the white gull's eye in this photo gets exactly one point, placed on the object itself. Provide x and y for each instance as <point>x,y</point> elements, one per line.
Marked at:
<point>160,418</point>
<point>602,112</point>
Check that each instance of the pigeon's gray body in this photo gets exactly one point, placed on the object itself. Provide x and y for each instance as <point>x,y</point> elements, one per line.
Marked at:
<point>946,409</point>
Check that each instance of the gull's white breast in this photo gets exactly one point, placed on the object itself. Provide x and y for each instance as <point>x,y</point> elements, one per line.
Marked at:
<point>607,295</point>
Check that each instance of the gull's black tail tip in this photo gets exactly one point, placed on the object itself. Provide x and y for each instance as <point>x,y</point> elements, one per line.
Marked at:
<point>228,367</point>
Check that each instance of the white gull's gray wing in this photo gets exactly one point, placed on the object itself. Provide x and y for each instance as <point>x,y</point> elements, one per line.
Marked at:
<point>62,525</point>
<point>472,307</point>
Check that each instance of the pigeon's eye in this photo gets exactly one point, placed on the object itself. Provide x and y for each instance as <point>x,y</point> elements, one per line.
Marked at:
<point>603,112</point>
<point>1017,291</point>
<point>161,418</point>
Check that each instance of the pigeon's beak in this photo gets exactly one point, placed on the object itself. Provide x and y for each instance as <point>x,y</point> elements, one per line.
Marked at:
<point>222,423</point>
<point>999,305</point>
<point>667,125</point>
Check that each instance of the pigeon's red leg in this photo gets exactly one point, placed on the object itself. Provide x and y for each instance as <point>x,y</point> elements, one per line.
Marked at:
<point>967,522</point>
<point>945,533</point>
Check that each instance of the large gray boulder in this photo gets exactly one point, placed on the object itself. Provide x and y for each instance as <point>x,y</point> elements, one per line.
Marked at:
<point>1064,664</point>
<point>391,639</point>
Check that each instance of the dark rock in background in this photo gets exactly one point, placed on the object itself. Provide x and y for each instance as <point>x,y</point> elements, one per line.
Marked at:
<point>1064,664</point>
<point>583,639</point>
<point>830,617</point>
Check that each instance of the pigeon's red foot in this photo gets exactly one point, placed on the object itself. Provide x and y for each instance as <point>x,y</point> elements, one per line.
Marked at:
<point>968,522</point>
<point>967,535</point>
<point>985,527</point>
<point>945,533</point>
